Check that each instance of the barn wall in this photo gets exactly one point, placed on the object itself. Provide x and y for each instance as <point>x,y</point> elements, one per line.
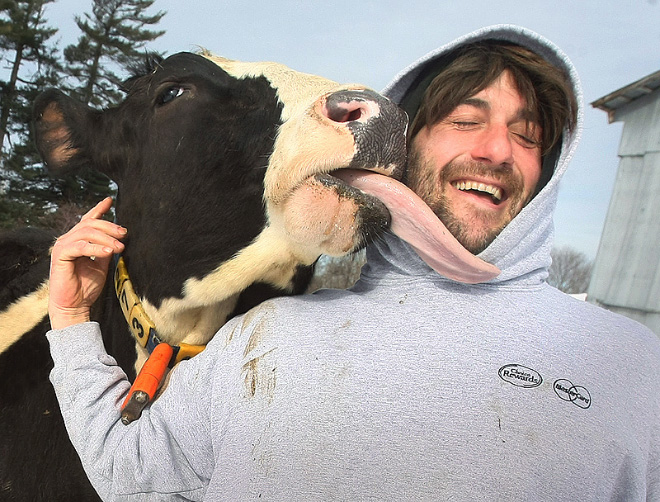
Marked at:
<point>626,274</point>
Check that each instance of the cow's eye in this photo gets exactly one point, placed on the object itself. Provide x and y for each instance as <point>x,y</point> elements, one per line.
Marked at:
<point>170,94</point>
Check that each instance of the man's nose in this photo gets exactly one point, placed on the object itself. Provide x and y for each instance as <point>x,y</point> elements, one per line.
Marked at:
<point>494,146</point>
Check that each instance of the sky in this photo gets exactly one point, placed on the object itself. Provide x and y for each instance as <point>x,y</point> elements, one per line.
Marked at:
<point>612,43</point>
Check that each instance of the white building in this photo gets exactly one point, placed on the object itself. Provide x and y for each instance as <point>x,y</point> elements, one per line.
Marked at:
<point>626,273</point>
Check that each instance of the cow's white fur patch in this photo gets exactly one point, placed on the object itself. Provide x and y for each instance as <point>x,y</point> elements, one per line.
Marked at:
<point>302,97</point>
<point>207,302</point>
<point>23,315</point>
<point>296,91</point>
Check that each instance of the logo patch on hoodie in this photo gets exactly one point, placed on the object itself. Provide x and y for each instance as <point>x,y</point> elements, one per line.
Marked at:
<point>575,394</point>
<point>520,376</point>
<point>527,378</point>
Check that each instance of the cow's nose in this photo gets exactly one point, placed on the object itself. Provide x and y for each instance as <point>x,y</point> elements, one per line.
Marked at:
<point>377,125</point>
<point>352,106</point>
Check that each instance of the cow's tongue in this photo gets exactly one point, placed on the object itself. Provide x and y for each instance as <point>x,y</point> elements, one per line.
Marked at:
<point>414,222</point>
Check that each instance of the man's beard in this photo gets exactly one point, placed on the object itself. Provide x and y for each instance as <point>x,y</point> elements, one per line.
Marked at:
<point>475,229</point>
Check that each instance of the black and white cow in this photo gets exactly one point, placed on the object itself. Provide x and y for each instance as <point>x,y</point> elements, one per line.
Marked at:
<point>225,181</point>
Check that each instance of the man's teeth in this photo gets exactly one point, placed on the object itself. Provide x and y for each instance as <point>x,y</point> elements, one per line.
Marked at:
<point>481,187</point>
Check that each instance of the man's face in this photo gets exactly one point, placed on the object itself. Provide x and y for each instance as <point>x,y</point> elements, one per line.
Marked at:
<point>478,167</point>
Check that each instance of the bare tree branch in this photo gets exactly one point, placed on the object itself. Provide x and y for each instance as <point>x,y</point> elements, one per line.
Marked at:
<point>570,271</point>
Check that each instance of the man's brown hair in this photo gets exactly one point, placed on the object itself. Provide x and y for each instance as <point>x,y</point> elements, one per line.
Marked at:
<point>545,88</point>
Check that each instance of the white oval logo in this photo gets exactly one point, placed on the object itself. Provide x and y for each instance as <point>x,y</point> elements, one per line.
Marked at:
<point>520,376</point>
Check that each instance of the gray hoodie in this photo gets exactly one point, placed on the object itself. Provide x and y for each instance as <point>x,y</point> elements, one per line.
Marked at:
<point>409,386</point>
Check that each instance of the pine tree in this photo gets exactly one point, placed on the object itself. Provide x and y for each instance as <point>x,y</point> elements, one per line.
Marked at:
<point>31,63</point>
<point>113,38</point>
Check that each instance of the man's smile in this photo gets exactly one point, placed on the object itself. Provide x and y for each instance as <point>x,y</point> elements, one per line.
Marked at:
<point>485,191</point>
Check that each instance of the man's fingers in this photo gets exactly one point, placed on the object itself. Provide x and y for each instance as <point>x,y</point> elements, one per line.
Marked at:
<point>94,238</point>
<point>92,226</point>
<point>99,210</point>
<point>79,249</point>
<point>91,229</point>
<point>96,244</point>
<point>91,249</point>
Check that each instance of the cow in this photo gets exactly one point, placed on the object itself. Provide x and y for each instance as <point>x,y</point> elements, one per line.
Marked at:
<point>224,180</point>
<point>227,180</point>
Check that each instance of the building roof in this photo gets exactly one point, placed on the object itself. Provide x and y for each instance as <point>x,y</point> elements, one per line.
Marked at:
<point>627,94</point>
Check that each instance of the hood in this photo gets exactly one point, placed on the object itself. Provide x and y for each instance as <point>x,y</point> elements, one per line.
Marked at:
<point>522,249</point>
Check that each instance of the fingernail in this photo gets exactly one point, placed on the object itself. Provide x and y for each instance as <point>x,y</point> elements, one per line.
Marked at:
<point>108,250</point>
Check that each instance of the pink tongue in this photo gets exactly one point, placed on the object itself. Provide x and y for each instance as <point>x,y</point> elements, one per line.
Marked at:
<point>414,222</point>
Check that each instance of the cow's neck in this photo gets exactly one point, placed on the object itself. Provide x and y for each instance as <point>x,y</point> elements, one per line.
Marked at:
<point>189,326</point>
<point>159,266</point>
<point>143,329</point>
<point>190,308</point>
<point>174,321</point>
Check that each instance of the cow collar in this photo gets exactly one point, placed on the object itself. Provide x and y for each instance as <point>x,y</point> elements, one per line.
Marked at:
<point>142,327</point>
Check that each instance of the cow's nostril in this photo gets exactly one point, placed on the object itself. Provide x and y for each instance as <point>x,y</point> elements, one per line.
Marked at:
<point>344,112</point>
<point>354,115</point>
<point>349,106</point>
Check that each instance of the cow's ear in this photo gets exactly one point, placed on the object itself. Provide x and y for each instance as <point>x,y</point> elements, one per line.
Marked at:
<point>53,134</point>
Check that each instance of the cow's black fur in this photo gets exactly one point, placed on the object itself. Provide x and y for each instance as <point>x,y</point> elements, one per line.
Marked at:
<point>24,263</point>
<point>181,163</point>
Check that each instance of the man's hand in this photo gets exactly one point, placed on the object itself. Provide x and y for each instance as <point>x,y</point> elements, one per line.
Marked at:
<point>79,266</point>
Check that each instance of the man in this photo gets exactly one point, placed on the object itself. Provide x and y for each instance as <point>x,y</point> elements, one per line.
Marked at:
<point>409,386</point>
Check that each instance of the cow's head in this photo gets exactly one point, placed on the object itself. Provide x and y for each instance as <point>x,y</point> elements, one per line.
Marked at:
<point>225,171</point>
